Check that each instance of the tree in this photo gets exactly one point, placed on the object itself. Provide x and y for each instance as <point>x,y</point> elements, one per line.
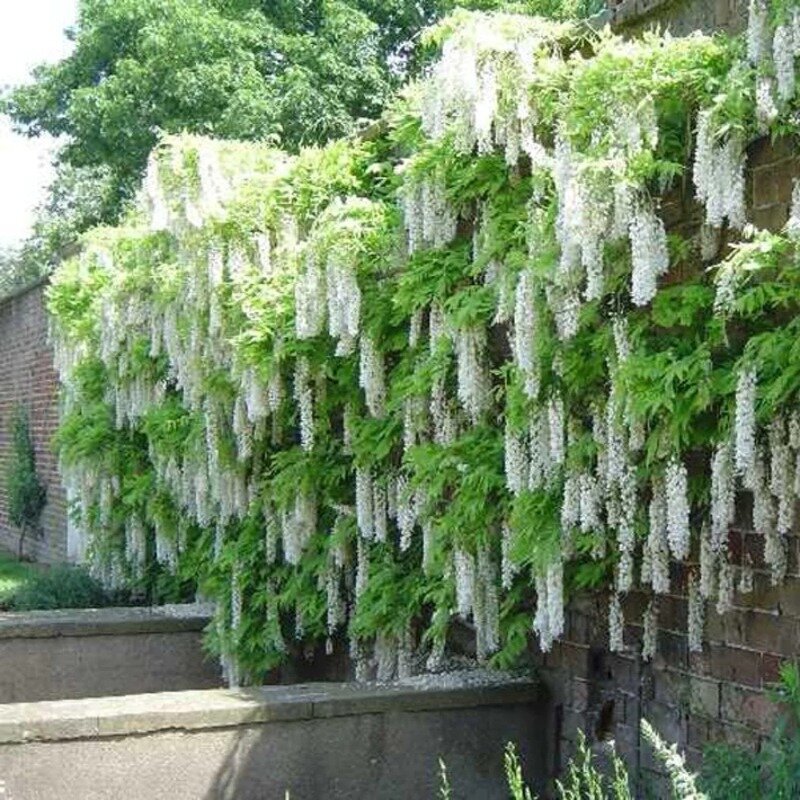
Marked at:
<point>296,71</point>
<point>26,494</point>
<point>13,272</point>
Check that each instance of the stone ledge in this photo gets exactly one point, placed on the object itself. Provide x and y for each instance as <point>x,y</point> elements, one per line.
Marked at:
<point>223,708</point>
<point>104,621</point>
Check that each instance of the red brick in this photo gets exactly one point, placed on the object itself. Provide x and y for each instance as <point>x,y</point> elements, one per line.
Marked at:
<point>671,688</point>
<point>704,697</point>
<point>697,732</point>
<point>672,613</point>
<point>773,217</point>
<point>764,596</point>
<point>623,672</point>
<point>574,658</point>
<point>672,650</point>
<point>770,669</point>
<point>731,664</point>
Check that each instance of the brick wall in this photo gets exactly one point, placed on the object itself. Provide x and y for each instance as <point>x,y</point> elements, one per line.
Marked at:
<point>27,377</point>
<point>692,698</point>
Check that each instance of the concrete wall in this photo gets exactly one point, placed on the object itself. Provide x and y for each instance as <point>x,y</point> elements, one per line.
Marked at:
<point>46,655</point>
<point>27,377</point>
<point>319,740</point>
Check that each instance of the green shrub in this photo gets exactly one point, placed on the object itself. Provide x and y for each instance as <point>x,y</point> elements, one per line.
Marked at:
<point>583,780</point>
<point>731,772</point>
<point>13,574</point>
<point>26,494</point>
<point>60,587</point>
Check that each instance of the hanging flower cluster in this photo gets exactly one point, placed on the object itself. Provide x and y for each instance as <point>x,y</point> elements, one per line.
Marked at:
<point>479,90</point>
<point>719,174</point>
<point>773,43</point>
<point>429,216</point>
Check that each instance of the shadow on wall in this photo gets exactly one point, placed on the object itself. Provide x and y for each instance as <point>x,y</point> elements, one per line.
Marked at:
<point>392,755</point>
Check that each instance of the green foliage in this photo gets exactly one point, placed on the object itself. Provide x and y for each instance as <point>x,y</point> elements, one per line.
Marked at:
<point>30,587</point>
<point>60,587</point>
<point>26,493</point>
<point>733,773</point>
<point>301,73</point>
<point>727,772</point>
<point>445,792</point>
<point>140,67</point>
<point>16,271</point>
<point>513,769</point>
<point>79,198</point>
<point>584,781</point>
<point>683,782</point>
<point>13,575</point>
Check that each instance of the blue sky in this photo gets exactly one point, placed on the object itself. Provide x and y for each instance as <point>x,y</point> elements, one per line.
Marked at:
<point>30,32</point>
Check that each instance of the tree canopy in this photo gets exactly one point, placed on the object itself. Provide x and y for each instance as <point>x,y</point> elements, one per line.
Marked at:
<point>221,68</point>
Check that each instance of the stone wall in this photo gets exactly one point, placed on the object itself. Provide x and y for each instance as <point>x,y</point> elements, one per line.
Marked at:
<point>27,377</point>
<point>311,741</point>
<point>720,694</point>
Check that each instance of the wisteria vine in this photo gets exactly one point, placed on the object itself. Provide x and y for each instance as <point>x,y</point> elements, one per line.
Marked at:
<point>455,371</point>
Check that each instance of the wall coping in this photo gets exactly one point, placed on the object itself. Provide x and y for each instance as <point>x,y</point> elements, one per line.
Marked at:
<point>105,621</point>
<point>224,708</point>
<point>628,11</point>
<point>21,291</point>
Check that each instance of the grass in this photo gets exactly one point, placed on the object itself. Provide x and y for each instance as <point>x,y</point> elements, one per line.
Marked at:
<point>14,575</point>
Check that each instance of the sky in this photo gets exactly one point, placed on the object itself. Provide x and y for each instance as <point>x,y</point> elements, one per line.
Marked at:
<point>30,32</point>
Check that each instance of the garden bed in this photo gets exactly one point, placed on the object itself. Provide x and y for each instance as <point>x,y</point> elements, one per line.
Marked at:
<point>28,586</point>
